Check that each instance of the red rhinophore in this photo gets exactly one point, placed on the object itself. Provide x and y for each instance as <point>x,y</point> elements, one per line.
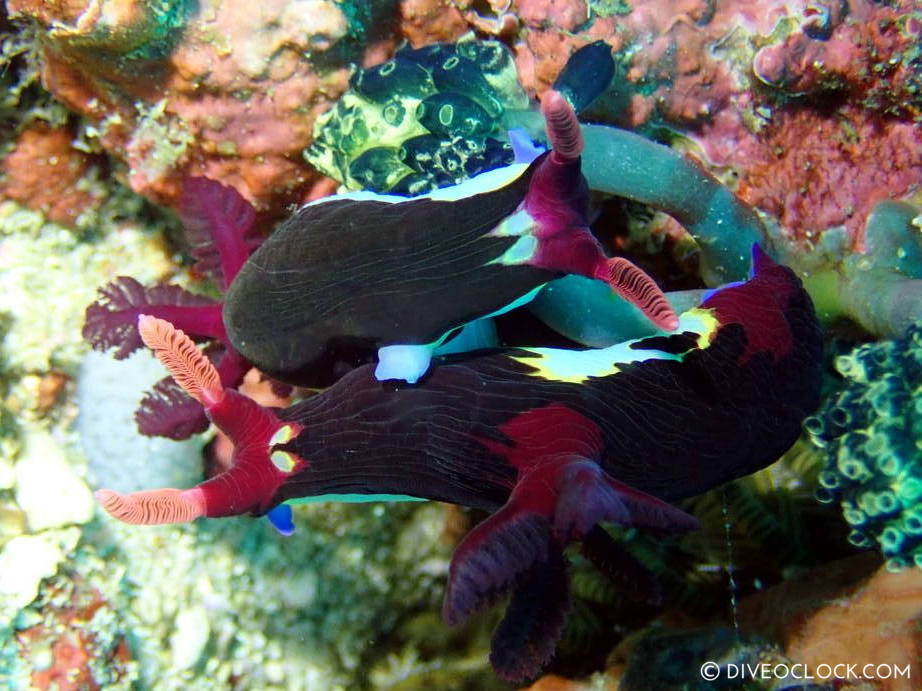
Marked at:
<point>153,507</point>
<point>563,132</point>
<point>558,197</point>
<point>188,365</point>
<point>557,200</point>
<point>635,286</point>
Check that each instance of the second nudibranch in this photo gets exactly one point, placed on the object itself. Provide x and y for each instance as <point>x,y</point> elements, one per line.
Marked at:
<point>551,442</point>
<point>357,273</point>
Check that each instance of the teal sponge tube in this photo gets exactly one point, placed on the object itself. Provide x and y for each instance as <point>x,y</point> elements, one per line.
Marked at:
<point>880,288</point>
<point>586,311</point>
<point>627,165</point>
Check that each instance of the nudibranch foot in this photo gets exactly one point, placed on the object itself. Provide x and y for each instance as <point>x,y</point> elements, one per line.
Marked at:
<point>588,496</point>
<point>259,466</point>
<point>556,502</point>
<point>490,558</point>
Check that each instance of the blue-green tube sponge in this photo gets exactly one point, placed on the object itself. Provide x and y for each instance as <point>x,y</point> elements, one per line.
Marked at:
<point>871,433</point>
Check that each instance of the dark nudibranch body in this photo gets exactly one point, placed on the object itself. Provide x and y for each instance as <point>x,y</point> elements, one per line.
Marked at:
<point>552,442</point>
<point>352,274</point>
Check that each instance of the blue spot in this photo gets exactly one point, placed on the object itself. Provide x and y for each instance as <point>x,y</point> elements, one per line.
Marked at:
<point>280,518</point>
<point>406,362</point>
<point>522,146</point>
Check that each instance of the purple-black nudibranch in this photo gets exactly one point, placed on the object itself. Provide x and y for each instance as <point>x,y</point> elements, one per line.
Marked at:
<point>551,442</point>
<point>357,273</point>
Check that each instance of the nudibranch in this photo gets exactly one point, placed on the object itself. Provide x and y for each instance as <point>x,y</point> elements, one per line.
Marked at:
<point>354,273</point>
<point>552,442</point>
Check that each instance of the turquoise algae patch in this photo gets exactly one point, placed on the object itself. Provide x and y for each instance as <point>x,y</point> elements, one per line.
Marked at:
<point>872,435</point>
<point>427,118</point>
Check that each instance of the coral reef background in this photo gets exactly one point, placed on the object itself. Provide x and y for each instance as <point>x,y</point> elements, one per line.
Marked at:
<point>809,111</point>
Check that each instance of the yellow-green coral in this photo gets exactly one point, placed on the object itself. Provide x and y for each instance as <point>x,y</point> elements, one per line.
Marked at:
<point>424,119</point>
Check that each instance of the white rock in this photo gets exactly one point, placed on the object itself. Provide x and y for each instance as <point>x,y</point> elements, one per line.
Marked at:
<point>190,636</point>
<point>118,456</point>
<point>48,489</point>
<point>7,476</point>
<point>24,562</point>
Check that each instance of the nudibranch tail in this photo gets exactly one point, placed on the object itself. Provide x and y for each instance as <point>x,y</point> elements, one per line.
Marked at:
<point>560,500</point>
<point>563,131</point>
<point>189,366</point>
<point>526,637</point>
<point>153,507</point>
<point>490,559</point>
<point>634,285</point>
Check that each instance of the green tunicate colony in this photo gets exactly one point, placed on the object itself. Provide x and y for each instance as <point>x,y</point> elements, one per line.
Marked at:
<point>425,119</point>
<point>872,435</point>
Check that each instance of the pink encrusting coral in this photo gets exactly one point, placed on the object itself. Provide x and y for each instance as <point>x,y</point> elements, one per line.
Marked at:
<point>813,172</point>
<point>812,106</point>
<point>869,51</point>
<point>430,21</point>
<point>42,172</point>
<point>662,45</point>
<point>229,90</point>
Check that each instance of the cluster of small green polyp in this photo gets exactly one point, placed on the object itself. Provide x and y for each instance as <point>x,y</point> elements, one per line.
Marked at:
<point>427,118</point>
<point>872,435</point>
